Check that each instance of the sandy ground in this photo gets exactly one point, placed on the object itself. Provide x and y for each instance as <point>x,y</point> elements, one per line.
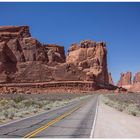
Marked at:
<point>114,124</point>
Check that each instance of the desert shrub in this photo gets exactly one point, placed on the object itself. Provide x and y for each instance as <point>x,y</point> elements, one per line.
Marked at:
<point>11,103</point>
<point>133,110</point>
<point>19,114</point>
<point>18,99</point>
<point>28,103</point>
<point>37,104</point>
<point>121,105</point>
<point>47,107</point>
<point>3,102</point>
<point>20,107</point>
<point>11,115</point>
<point>5,113</point>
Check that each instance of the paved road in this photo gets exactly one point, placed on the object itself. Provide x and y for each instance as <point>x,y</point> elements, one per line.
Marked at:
<point>74,120</point>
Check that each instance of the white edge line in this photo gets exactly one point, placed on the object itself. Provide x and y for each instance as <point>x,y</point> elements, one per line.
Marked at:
<point>94,121</point>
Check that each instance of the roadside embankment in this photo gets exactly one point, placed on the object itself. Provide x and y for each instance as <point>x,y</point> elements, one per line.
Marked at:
<point>112,123</point>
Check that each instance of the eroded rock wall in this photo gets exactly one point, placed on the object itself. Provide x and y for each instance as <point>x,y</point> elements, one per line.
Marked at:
<point>91,58</point>
<point>24,59</point>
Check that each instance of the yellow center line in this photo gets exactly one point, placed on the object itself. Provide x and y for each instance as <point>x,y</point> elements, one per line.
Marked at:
<point>40,129</point>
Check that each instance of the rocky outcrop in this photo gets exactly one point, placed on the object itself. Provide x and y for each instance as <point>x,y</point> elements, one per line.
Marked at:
<point>8,63</point>
<point>11,32</point>
<point>126,82</point>
<point>110,79</point>
<point>24,59</point>
<point>125,79</point>
<point>136,78</point>
<point>90,57</point>
<point>55,53</point>
<point>135,86</point>
<point>19,51</point>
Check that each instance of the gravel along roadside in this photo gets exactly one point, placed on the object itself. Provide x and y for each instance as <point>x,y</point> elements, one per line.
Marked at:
<point>112,123</point>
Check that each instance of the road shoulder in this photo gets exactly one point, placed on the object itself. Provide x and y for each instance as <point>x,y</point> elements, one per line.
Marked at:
<point>114,124</point>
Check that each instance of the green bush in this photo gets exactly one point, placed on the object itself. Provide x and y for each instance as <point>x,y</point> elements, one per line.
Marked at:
<point>18,99</point>
<point>5,113</point>
<point>133,110</point>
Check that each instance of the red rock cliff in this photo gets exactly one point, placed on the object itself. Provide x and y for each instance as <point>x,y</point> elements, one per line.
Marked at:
<point>25,59</point>
<point>91,58</point>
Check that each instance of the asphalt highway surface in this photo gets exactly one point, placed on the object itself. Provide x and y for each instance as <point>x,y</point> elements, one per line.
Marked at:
<point>74,120</point>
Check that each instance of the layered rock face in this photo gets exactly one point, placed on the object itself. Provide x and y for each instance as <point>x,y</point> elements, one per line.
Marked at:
<point>135,87</point>
<point>19,53</point>
<point>10,32</point>
<point>125,79</point>
<point>91,58</point>
<point>24,59</point>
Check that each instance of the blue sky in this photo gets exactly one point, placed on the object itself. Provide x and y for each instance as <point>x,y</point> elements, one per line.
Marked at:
<point>118,24</point>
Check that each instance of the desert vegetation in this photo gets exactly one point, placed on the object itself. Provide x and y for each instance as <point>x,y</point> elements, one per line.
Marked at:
<point>126,102</point>
<point>18,106</point>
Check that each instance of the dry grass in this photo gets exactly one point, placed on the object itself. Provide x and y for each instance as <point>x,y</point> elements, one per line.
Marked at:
<point>20,106</point>
<point>129,103</point>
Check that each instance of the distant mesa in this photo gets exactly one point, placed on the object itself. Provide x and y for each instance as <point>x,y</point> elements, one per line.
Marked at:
<point>130,83</point>
<point>23,59</point>
<point>136,78</point>
<point>125,79</point>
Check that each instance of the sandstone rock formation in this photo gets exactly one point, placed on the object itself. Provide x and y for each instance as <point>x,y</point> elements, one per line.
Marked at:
<point>110,79</point>
<point>136,78</point>
<point>125,79</point>
<point>91,58</point>
<point>24,59</point>
<point>126,82</point>
<point>135,86</point>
